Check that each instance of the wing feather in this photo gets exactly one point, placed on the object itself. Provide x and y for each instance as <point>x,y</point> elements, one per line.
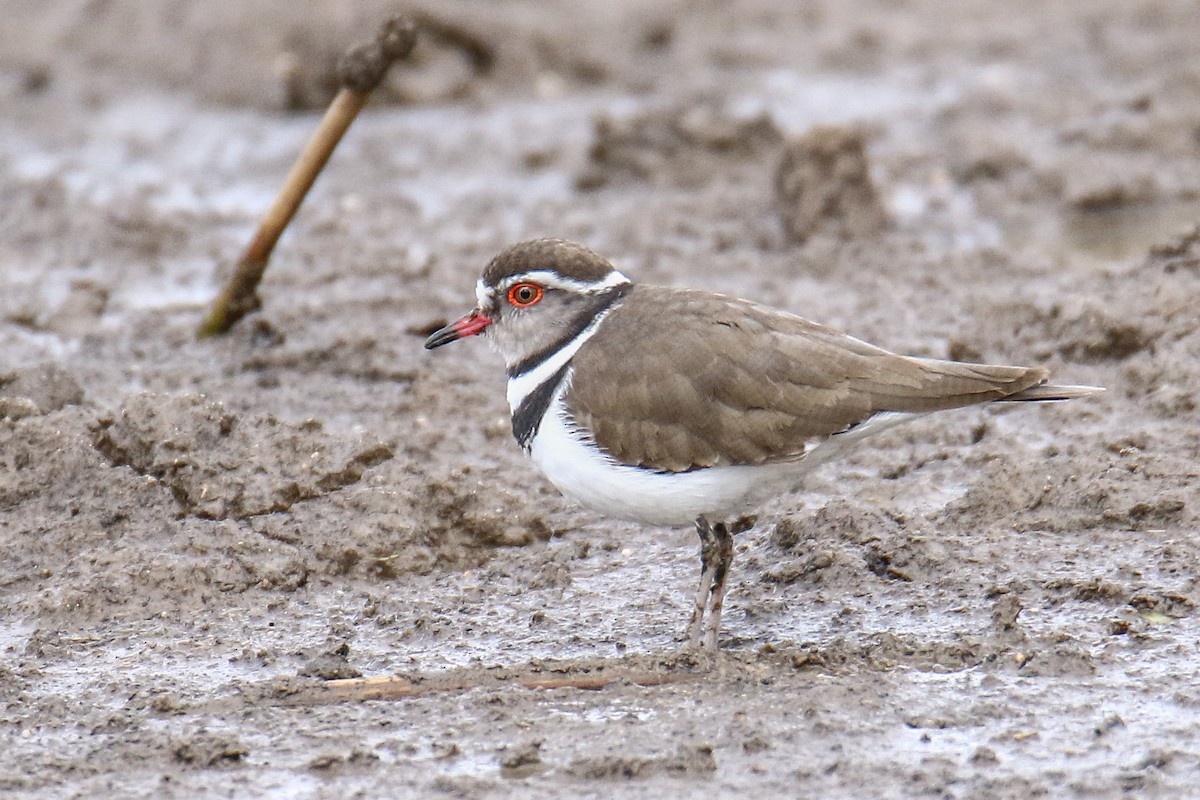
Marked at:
<point>734,382</point>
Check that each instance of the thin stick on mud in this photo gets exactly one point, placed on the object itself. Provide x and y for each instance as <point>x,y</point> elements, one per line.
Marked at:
<point>398,688</point>
<point>361,70</point>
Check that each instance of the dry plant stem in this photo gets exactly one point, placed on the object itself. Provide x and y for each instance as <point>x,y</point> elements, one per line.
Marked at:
<point>396,688</point>
<point>361,70</point>
<point>240,295</point>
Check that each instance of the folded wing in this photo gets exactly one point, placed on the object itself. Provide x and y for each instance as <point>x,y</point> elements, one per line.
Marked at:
<point>734,382</point>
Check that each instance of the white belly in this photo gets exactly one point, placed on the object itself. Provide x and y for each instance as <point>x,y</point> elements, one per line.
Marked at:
<point>588,475</point>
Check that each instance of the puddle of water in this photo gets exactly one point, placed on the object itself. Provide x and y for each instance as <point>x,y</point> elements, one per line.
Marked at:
<point>183,288</point>
<point>1064,738</point>
<point>798,100</point>
<point>111,166</point>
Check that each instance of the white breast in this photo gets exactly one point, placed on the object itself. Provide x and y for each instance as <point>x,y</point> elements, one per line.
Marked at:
<point>583,472</point>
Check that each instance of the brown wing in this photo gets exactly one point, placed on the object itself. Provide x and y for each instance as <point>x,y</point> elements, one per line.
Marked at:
<point>734,382</point>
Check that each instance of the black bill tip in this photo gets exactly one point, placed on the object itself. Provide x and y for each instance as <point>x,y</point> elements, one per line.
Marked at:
<point>469,325</point>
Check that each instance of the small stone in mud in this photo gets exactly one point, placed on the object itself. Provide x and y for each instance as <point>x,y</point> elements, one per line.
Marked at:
<point>204,749</point>
<point>696,760</point>
<point>334,665</point>
<point>984,755</point>
<point>445,750</point>
<point>551,576</point>
<point>1005,611</point>
<point>1119,627</point>
<point>1166,604</point>
<point>168,704</point>
<point>823,185</point>
<point>807,659</point>
<point>794,569</point>
<point>1159,510</point>
<point>329,761</point>
<point>326,761</point>
<point>522,761</point>
<point>1061,661</point>
<point>880,564</point>
<point>1180,253</point>
<point>1108,724</point>
<point>755,744</point>
<point>787,533</point>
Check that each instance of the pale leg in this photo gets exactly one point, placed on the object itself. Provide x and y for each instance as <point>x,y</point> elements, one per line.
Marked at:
<point>709,553</point>
<point>724,561</point>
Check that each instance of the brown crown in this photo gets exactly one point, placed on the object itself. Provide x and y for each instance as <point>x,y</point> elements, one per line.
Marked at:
<point>568,259</point>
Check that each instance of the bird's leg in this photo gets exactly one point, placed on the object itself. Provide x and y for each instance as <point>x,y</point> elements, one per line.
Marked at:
<point>724,560</point>
<point>709,552</point>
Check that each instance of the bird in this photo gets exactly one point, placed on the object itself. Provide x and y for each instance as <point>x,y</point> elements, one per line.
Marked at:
<point>675,407</point>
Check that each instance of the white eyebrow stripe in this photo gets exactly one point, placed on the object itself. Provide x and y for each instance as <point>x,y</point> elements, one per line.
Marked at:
<point>481,293</point>
<point>553,280</point>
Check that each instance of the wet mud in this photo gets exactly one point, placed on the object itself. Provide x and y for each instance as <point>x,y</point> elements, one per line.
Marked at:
<point>213,551</point>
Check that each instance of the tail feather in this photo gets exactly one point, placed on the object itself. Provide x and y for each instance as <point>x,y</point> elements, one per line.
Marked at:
<point>962,383</point>
<point>1048,392</point>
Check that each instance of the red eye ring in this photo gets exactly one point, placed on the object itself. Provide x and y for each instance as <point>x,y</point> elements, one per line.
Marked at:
<point>524,295</point>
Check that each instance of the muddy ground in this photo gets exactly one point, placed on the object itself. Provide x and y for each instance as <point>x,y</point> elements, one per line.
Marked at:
<point>196,536</point>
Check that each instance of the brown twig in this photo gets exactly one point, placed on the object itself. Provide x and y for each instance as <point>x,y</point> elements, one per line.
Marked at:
<point>360,71</point>
<point>398,688</point>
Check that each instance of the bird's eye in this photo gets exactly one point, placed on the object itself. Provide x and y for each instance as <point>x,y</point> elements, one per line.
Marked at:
<point>524,295</point>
